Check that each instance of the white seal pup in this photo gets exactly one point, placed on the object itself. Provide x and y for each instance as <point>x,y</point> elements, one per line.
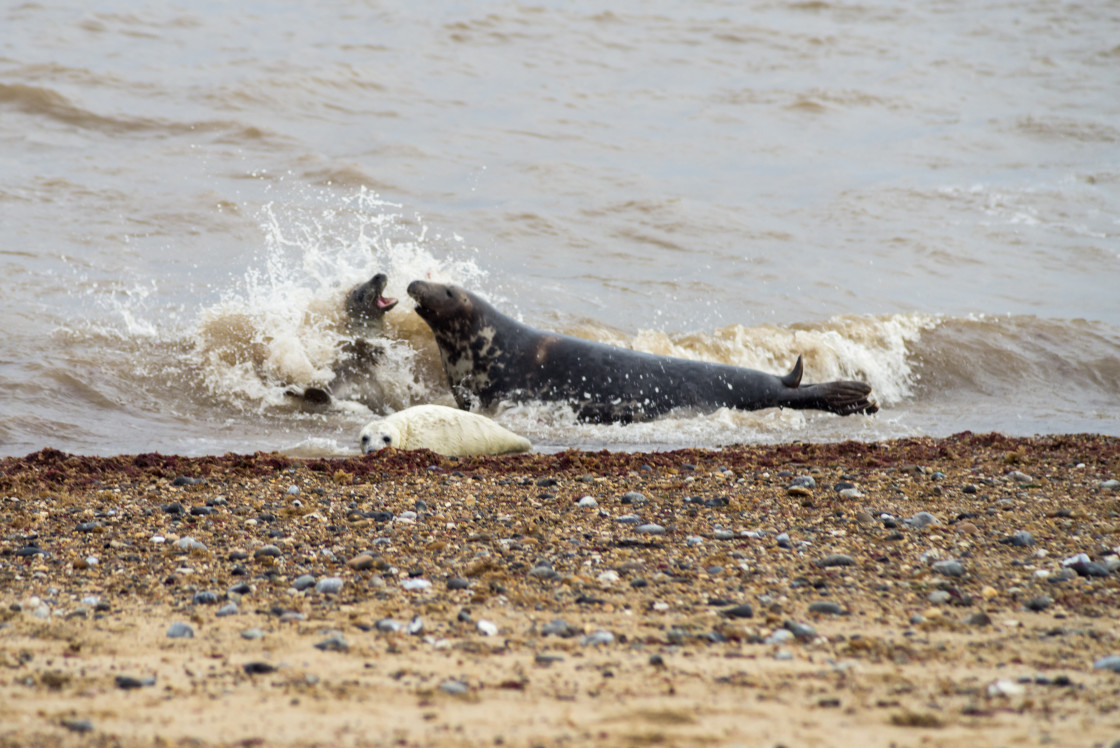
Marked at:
<point>446,431</point>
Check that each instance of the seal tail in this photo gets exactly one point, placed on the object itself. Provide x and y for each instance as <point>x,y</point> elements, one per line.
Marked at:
<point>841,397</point>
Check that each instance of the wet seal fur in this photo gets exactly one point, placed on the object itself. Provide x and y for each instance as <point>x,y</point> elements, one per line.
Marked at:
<point>490,357</point>
<point>365,312</point>
<point>446,431</point>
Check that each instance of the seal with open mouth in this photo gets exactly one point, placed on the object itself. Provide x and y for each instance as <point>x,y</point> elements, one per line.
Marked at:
<point>490,357</point>
<point>366,306</point>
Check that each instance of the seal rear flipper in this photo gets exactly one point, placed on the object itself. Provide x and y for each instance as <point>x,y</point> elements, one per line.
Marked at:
<point>843,398</point>
<point>793,379</point>
<point>313,395</point>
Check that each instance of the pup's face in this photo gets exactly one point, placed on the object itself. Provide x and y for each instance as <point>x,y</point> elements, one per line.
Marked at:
<point>378,435</point>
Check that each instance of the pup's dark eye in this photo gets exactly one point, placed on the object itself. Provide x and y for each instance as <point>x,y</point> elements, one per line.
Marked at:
<point>365,439</point>
<point>386,439</point>
<point>449,293</point>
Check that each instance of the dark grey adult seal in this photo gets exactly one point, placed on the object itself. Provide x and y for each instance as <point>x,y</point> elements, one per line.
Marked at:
<point>366,306</point>
<point>490,357</point>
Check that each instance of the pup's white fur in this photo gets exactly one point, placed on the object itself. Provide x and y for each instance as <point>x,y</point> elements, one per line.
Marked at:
<point>447,431</point>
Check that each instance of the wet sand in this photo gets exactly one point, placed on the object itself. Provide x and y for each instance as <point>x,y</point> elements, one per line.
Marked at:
<point>502,612</point>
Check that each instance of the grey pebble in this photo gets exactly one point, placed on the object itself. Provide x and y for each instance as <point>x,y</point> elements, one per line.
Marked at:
<point>597,639</point>
<point>694,540</point>
<point>269,551</point>
<point>258,668</point>
<point>204,598</point>
<point>633,497</point>
<point>252,634</point>
<point>836,559</point>
<point>486,628</point>
<point>457,583</point>
<point>293,490</point>
<point>851,493</point>
<point>949,568</point>
<point>415,627</point>
<point>650,529</point>
<point>187,543</point>
<point>724,535</point>
<point>1021,539</point>
<point>415,585</point>
<point>1110,662</point>
<point>388,625</point>
<point>803,481</point>
<point>328,585</point>
<point>588,502</point>
<point>781,636</point>
<point>922,520</point>
<point>454,687</point>
<point>738,611</point>
<point>939,597</point>
<point>180,631</point>
<point>128,683</point>
<point>229,609</point>
<point>560,627</point>
<point>1110,485</point>
<point>783,540</point>
<point>1020,477</point>
<point>1040,603</point>
<point>303,581</point>
<point>77,725</point>
<point>802,631</point>
<point>335,643</point>
<point>826,607</point>
<point>629,519</point>
<point>979,618</point>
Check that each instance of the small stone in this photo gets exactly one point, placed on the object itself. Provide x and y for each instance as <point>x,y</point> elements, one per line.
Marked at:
<point>588,502</point>
<point>694,540</point>
<point>77,725</point>
<point>388,625</point>
<point>328,586</point>
<point>561,628</point>
<point>1040,603</point>
<point>939,597</point>
<point>1021,539</point>
<point>88,526</point>
<point>779,637</point>
<point>825,607</point>
<point>267,551</point>
<point>361,562</point>
<point>258,668</point>
<point>922,520</point>
<point>415,627</point>
<point>1110,662</point>
<point>229,609</point>
<point>292,490</point>
<point>803,481</point>
<point>656,660</point>
<point>850,494</point>
<point>252,634</point>
<point>799,491</point>
<point>836,559</point>
<point>186,480</point>
<point>128,682</point>
<point>335,643</point>
<point>180,631</point>
<point>650,529</point>
<point>1020,477</point>
<point>303,581</point>
<point>454,688</point>
<point>783,540</point>
<point>188,543</point>
<point>1109,485</point>
<point>629,519</point>
<point>486,628</point>
<point>738,611</point>
<point>457,583</point>
<point>724,535</point>
<point>802,631</point>
<point>599,638</point>
<point>415,585</point>
<point>979,618</point>
<point>1005,688</point>
<point>204,598</point>
<point>949,568</point>
<point>634,498</point>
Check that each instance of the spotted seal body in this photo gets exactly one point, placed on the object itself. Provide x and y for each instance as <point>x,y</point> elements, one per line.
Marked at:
<point>490,357</point>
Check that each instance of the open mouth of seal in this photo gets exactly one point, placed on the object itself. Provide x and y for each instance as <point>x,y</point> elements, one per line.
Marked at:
<point>385,303</point>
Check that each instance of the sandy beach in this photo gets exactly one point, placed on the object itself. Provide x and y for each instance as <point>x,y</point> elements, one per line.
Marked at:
<point>922,592</point>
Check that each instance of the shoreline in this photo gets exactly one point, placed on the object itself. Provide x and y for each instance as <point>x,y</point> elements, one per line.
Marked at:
<point>753,595</point>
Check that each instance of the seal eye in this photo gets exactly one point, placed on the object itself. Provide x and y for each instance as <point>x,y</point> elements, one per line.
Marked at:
<point>365,439</point>
<point>449,294</point>
<point>387,439</point>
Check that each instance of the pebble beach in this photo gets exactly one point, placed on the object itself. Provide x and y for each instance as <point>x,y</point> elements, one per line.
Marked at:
<point>933,592</point>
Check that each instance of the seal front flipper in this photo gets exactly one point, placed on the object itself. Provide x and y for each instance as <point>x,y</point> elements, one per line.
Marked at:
<point>844,398</point>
